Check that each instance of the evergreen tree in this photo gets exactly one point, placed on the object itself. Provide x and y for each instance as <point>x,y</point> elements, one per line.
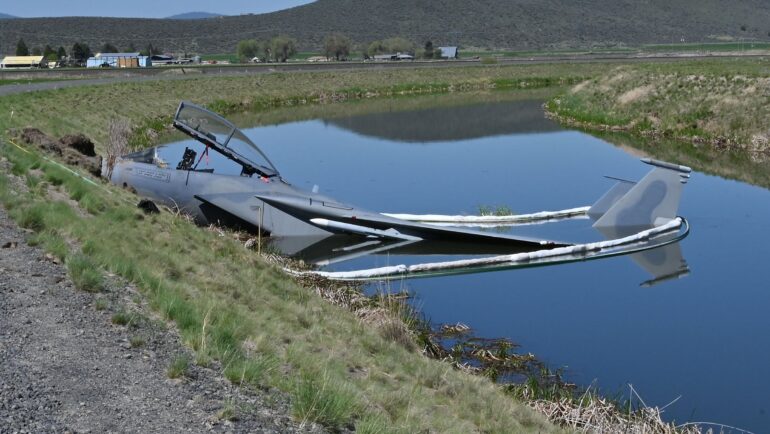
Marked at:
<point>429,52</point>
<point>21,48</point>
<point>49,52</point>
<point>61,53</point>
<point>81,52</point>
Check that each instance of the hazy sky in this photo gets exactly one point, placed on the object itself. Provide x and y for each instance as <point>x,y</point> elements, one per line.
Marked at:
<point>139,8</point>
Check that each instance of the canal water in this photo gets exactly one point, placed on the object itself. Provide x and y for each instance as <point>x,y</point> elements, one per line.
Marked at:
<point>700,338</point>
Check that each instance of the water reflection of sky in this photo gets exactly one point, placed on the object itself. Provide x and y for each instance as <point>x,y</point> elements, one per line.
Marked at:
<point>702,337</point>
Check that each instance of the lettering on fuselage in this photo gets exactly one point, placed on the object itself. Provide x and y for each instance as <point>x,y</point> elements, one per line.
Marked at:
<point>153,174</point>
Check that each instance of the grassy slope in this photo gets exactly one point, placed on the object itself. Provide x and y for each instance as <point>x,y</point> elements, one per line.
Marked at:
<point>514,24</point>
<point>229,305</point>
<point>709,114</point>
<point>232,307</point>
<point>89,110</point>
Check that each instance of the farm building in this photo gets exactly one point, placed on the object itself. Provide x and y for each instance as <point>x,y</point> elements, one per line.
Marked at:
<point>24,62</point>
<point>449,52</point>
<point>119,60</point>
<point>162,59</point>
<point>397,56</point>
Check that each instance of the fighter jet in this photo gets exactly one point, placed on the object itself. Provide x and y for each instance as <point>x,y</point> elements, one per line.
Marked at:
<point>259,199</point>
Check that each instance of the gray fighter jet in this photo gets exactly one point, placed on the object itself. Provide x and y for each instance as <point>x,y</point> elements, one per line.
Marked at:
<point>259,199</point>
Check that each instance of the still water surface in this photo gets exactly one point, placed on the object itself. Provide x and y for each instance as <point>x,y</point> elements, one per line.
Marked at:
<point>704,337</point>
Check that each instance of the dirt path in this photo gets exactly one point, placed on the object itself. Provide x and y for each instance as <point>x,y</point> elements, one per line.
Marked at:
<point>65,367</point>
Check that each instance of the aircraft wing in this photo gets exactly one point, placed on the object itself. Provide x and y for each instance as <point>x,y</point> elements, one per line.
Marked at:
<point>340,218</point>
<point>242,206</point>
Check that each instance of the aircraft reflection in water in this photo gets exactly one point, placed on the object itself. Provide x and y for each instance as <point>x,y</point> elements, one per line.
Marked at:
<point>637,218</point>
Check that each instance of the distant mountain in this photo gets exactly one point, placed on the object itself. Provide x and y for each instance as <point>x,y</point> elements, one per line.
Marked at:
<point>193,16</point>
<point>511,24</point>
<point>6,16</point>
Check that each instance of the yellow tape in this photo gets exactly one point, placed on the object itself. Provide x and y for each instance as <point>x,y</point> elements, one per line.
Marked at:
<point>63,167</point>
<point>14,144</point>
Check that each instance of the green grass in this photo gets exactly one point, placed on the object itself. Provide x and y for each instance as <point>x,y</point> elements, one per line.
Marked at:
<point>499,210</point>
<point>323,401</point>
<point>101,304</point>
<point>122,318</point>
<point>85,274</point>
<point>708,46</point>
<point>466,54</point>
<point>252,371</point>
<point>228,412</point>
<point>229,57</point>
<point>7,81</point>
<point>178,367</point>
<point>136,341</point>
<point>712,115</point>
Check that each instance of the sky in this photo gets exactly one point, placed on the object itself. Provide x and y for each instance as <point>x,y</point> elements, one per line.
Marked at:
<point>140,8</point>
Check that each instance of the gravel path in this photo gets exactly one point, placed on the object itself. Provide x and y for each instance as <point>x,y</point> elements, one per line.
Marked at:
<point>64,367</point>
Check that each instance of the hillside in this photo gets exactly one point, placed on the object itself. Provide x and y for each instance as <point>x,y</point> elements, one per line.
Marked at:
<point>6,16</point>
<point>515,24</point>
<point>193,16</point>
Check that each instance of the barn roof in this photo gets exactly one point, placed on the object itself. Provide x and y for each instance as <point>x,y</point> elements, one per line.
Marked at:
<point>22,60</point>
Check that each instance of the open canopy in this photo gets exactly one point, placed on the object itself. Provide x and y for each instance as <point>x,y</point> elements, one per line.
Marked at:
<point>218,133</point>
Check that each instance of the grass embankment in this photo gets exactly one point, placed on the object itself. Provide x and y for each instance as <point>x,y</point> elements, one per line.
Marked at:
<point>712,114</point>
<point>265,330</point>
<point>228,304</point>
<point>88,110</point>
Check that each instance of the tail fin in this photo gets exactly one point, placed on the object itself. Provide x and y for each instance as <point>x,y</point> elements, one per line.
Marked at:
<point>610,198</point>
<point>651,202</point>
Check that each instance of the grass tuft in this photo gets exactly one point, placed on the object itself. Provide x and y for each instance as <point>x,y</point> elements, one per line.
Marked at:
<point>250,371</point>
<point>100,304</point>
<point>136,341</point>
<point>323,401</point>
<point>228,412</point>
<point>179,367</point>
<point>121,318</point>
<point>85,274</point>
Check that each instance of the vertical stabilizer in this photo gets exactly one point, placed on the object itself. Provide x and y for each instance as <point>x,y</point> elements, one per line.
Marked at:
<point>610,198</point>
<point>651,202</point>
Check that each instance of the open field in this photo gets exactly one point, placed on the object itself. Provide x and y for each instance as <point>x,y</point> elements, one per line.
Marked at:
<point>736,46</point>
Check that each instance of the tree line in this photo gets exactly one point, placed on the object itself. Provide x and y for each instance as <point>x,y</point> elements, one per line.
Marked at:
<point>79,52</point>
<point>336,46</point>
